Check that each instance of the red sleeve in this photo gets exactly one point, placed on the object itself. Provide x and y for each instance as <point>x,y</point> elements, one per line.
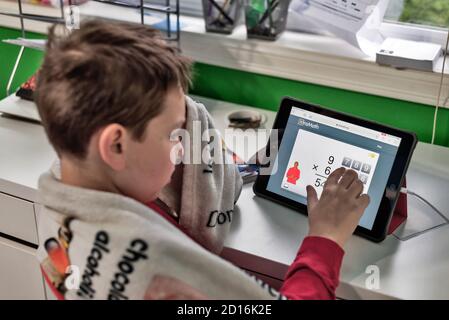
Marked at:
<point>314,275</point>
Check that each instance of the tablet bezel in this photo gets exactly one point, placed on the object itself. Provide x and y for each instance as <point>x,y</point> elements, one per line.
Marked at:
<point>395,180</point>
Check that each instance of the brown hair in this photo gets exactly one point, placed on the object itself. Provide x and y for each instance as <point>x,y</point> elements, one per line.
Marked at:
<point>105,73</point>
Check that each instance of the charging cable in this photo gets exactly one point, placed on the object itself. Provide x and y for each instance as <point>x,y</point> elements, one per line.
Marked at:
<point>435,116</point>
<point>409,192</point>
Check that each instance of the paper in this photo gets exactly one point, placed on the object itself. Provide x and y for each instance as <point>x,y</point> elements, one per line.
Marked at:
<point>355,21</point>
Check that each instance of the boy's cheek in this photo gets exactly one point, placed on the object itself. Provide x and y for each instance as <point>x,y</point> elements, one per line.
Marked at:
<point>171,170</point>
<point>163,170</point>
<point>175,152</point>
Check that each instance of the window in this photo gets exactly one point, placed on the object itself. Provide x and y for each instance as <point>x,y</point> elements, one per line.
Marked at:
<point>419,20</point>
<point>433,13</point>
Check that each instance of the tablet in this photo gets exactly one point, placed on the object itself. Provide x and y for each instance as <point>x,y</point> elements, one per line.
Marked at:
<point>314,141</point>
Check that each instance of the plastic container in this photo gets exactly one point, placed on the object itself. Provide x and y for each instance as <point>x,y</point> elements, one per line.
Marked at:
<point>266,19</point>
<point>221,16</point>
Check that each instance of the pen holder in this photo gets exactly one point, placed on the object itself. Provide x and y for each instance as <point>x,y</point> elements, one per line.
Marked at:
<point>221,16</point>
<point>266,19</point>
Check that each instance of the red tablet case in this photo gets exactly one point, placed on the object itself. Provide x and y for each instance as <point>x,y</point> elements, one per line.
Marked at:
<point>400,212</point>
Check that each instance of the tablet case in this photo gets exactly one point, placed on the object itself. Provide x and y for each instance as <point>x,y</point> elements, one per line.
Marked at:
<point>400,212</point>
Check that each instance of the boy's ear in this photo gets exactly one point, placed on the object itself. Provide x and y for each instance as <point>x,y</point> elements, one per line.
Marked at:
<point>111,146</point>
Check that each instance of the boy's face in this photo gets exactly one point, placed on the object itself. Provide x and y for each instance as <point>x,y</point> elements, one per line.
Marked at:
<point>148,165</point>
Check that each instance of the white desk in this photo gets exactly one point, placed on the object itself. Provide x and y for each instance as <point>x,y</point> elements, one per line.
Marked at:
<point>264,236</point>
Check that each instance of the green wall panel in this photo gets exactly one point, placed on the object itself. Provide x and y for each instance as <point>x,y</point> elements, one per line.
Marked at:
<point>31,59</point>
<point>266,92</point>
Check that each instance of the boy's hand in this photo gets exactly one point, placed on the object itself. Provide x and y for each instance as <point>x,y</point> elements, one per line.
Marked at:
<point>336,215</point>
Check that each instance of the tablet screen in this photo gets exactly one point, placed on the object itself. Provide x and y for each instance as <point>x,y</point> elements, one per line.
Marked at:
<point>314,145</point>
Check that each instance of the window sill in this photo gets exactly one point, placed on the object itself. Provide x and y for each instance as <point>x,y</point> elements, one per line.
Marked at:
<point>317,59</point>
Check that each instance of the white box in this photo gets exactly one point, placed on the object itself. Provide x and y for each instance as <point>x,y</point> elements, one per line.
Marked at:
<point>406,54</point>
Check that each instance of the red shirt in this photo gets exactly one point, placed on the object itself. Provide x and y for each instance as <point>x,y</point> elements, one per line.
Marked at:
<point>315,272</point>
<point>293,174</point>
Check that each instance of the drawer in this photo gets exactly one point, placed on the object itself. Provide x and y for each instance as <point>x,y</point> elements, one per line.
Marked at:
<point>20,273</point>
<point>17,218</point>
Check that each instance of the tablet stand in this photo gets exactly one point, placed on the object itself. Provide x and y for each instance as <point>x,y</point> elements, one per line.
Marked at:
<point>400,212</point>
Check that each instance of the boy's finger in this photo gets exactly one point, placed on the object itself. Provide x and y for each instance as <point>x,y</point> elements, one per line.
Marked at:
<point>335,176</point>
<point>312,197</point>
<point>364,201</point>
<point>356,188</point>
<point>348,178</point>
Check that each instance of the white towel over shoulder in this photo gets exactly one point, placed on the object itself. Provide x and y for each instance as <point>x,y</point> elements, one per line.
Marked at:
<point>203,191</point>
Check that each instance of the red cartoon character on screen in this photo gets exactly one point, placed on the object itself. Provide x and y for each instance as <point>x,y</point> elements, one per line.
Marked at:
<point>293,174</point>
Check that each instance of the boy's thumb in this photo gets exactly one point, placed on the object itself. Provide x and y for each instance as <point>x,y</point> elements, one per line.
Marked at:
<point>312,197</point>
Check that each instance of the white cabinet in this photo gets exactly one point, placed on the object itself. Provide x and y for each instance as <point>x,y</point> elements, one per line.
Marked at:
<point>17,218</point>
<point>20,274</point>
<point>25,154</point>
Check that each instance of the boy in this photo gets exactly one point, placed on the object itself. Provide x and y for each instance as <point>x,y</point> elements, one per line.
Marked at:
<point>110,95</point>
